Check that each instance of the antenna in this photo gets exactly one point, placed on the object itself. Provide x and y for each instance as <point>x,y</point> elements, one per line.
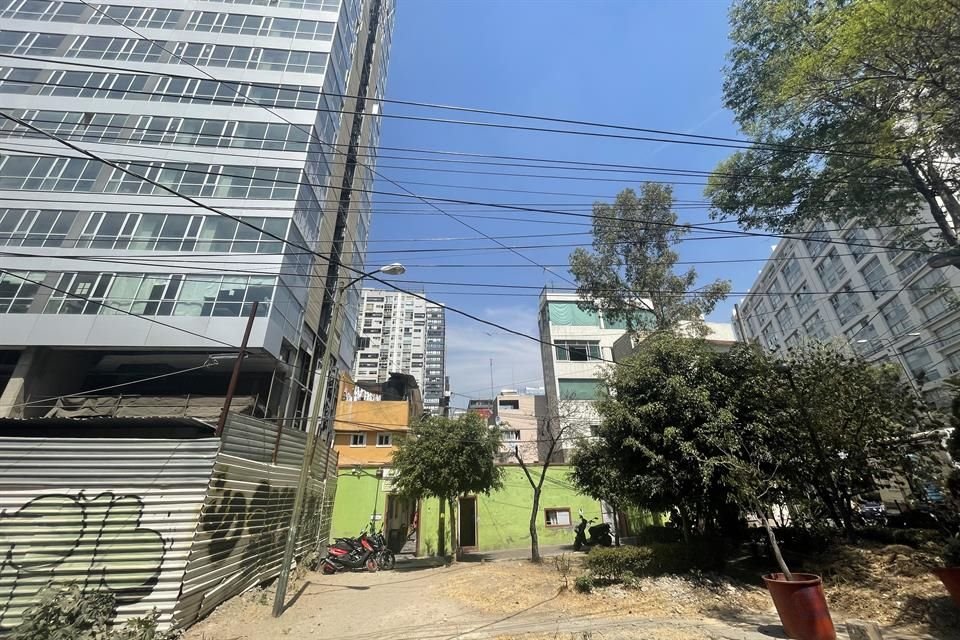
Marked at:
<point>493,395</point>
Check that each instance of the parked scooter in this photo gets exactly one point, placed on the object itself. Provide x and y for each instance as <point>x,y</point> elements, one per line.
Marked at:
<point>599,534</point>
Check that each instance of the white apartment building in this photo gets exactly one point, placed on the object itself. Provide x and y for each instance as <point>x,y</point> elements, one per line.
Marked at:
<point>578,347</point>
<point>863,287</point>
<point>401,333</point>
<point>252,107</point>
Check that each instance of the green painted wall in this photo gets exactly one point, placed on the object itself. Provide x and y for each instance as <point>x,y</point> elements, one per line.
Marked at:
<point>358,498</point>
<point>503,517</point>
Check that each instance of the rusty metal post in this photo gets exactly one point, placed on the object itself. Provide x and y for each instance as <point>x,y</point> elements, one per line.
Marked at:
<point>232,387</point>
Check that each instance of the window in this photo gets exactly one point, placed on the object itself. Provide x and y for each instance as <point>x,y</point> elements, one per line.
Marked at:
<point>771,336</point>
<point>510,435</point>
<point>815,328</point>
<point>831,270</point>
<point>856,240</point>
<point>876,278</point>
<point>383,439</point>
<point>953,362</point>
<point>358,439</point>
<point>921,365</point>
<point>578,389</point>
<point>791,272</point>
<point>641,319</point>
<point>785,318</point>
<point>925,285</point>
<point>814,242</point>
<point>846,303</point>
<point>17,290</point>
<point>863,338</point>
<point>557,517</point>
<point>913,262</point>
<point>578,350</point>
<point>802,299</point>
<point>935,309</point>
<point>509,404</point>
<point>570,314</point>
<point>896,316</point>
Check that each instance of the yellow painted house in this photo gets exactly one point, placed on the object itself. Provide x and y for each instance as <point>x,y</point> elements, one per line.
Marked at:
<point>372,418</point>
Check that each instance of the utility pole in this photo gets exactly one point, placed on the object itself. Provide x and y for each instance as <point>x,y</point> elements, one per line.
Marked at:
<point>232,387</point>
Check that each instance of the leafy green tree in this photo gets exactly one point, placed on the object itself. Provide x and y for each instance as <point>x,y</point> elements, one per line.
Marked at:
<point>854,112</point>
<point>591,475</point>
<point>446,458</point>
<point>633,260</point>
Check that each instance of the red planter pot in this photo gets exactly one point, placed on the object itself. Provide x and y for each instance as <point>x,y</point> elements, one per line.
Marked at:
<point>950,577</point>
<point>801,606</point>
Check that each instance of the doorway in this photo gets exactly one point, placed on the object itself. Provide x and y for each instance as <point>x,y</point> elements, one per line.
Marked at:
<point>401,524</point>
<point>468,522</point>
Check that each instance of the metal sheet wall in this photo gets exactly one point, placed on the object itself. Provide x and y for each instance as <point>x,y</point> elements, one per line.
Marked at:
<point>106,513</point>
<point>240,540</point>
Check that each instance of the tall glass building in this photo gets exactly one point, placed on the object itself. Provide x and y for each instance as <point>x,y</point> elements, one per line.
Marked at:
<point>266,110</point>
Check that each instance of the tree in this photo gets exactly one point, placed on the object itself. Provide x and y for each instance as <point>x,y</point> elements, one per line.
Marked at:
<point>854,112</point>
<point>446,458</point>
<point>633,260</point>
<point>552,438</point>
<point>591,475</point>
<point>659,431</point>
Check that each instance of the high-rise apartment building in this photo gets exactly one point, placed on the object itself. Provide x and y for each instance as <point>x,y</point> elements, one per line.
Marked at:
<point>266,110</point>
<point>402,333</point>
<point>865,287</point>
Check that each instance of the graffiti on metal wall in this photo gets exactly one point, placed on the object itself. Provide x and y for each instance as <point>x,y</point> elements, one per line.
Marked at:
<point>96,542</point>
<point>252,525</point>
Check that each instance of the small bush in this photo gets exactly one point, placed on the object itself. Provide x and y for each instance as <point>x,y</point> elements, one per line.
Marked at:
<point>630,581</point>
<point>650,535</point>
<point>583,584</point>
<point>562,563</point>
<point>700,554</point>
<point>67,612</point>
<point>613,562</point>
<point>951,553</point>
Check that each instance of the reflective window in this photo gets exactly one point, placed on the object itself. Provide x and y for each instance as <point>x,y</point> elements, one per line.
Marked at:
<point>34,228</point>
<point>815,328</point>
<point>831,270</point>
<point>17,290</point>
<point>215,22</point>
<point>876,278</point>
<point>43,10</point>
<point>856,240</point>
<point>577,350</point>
<point>802,299</point>
<point>926,285</point>
<point>896,316</point>
<point>154,18</point>
<point>846,303</point>
<point>322,5</point>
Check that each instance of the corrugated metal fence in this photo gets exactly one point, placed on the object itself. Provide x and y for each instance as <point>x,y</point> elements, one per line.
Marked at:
<point>177,525</point>
<point>106,513</point>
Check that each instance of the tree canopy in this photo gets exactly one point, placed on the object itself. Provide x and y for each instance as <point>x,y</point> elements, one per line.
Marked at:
<point>448,457</point>
<point>691,428</point>
<point>633,260</point>
<point>854,112</point>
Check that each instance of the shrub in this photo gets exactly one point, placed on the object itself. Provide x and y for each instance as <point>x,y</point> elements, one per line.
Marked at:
<point>649,535</point>
<point>67,612</point>
<point>700,554</point>
<point>563,564</point>
<point>951,553</point>
<point>613,562</point>
<point>583,584</point>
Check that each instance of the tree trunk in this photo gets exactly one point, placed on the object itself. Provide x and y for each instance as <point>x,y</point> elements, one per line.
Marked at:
<point>616,525</point>
<point>534,539</point>
<point>455,550</point>
<point>945,193</point>
<point>946,230</point>
<point>684,525</point>
<point>774,545</point>
<point>441,532</point>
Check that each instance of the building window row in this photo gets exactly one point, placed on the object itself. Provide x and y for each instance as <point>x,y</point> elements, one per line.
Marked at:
<point>42,173</point>
<point>127,86</point>
<point>161,130</point>
<point>136,49</point>
<point>138,293</point>
<point>319,5</point>
<point>216,22</point>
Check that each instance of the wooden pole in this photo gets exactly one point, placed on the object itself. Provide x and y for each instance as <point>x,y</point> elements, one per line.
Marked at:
<point>232,387</point>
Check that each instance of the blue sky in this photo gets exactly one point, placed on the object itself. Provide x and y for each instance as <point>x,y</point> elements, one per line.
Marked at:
<point>653,64</point>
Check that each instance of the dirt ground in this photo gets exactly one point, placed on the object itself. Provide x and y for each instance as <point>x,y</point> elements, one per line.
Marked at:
<point>513,600</point>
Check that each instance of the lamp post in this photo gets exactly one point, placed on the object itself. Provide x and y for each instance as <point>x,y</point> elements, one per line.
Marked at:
<point>887,343</point>
<point>319,405</point>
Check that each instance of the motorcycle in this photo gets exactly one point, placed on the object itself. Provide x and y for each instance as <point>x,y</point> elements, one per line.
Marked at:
<point>599,534</point>
<point>368,552</point>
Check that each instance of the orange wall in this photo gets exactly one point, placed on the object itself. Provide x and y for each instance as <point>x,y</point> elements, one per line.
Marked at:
<point>388,415</point>
<point>369,454</point>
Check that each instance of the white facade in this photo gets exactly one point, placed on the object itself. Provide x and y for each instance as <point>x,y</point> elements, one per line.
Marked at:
<point>237,104</point>
<point>859,286</point>
<point>401,333</point>
<point>579,347</point>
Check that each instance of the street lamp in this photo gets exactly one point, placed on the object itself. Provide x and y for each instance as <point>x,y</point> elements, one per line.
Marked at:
<point>319,405</point>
